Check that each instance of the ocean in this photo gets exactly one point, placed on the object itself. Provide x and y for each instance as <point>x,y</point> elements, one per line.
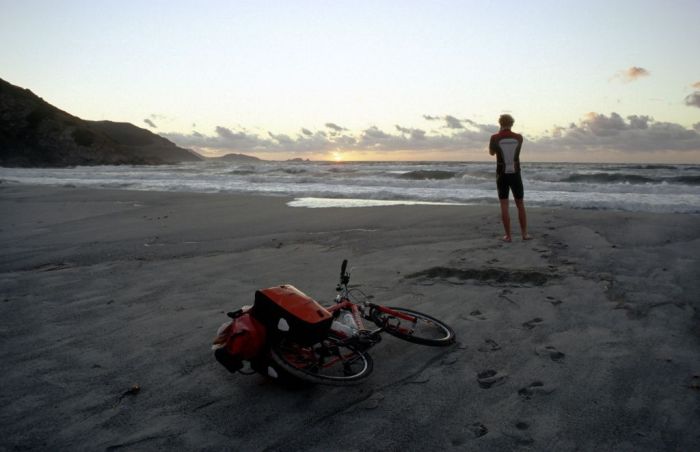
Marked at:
<point>642,188</point>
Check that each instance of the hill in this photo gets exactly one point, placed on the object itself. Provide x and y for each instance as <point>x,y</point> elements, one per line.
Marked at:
<point>237,158</point>
<point>34,133</point>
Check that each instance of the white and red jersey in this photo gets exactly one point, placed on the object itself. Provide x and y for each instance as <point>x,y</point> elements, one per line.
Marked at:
<point>506,144</point>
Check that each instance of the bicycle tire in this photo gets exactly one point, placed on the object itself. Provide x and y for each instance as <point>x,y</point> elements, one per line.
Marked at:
<point>347,365</point>
<point>427,330</point>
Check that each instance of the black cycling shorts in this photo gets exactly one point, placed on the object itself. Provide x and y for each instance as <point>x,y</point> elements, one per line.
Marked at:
<point>513,182</point>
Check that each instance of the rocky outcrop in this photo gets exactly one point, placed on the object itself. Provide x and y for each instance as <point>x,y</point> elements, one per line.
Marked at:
<point>240,158</point>
<point>34,133</point>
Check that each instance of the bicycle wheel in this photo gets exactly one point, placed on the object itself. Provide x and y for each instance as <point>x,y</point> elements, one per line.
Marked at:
<point>420,328</point>
<point>328,362</point>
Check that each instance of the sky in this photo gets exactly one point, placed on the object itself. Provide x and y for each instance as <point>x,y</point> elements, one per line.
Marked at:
<point>372,80</point>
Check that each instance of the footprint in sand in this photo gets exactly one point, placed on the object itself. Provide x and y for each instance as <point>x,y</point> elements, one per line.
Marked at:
<point>490,377</point>
<point>551,352</point>
<point>478,429</point>
<point>554,301</point>
<point>536,387</point>
<point>489,346</point>
<point>450,359</point>
<point>504,294</point>
<point>477,315</point>
<point>695,382</point>
<point>530,324</point>
<point>473,316</point>
<point>520,433</point>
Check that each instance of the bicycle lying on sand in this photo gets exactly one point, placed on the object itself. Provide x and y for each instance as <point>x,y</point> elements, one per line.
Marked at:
<point>288,334</point>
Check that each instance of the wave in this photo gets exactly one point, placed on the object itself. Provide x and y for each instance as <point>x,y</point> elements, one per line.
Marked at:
<point>686,180</point>
<point>610,178</point>
<point>428,174</point>
<point>648,167</point>
<point>294,170</point>
<point>667,188</point>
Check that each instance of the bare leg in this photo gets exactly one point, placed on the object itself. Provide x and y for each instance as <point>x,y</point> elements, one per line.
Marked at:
<point>505,218</point>
<point>522,218</point>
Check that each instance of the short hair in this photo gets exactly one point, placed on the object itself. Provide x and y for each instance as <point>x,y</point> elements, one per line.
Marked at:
<point>506,121</point>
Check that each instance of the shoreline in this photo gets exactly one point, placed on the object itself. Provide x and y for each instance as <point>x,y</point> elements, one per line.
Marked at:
<point>589,332</point>
<point>631,187</point>
<point>316,202</point>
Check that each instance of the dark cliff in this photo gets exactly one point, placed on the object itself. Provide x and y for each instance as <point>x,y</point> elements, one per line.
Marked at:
<point>34,133</point>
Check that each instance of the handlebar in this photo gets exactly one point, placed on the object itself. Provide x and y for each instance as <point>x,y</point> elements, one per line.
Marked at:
<point>344,276</point>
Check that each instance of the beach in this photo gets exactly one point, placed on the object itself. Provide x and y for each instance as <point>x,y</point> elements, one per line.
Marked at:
<point>585,338</point>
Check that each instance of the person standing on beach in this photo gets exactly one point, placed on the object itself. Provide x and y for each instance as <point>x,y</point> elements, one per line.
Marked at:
<point>506,145</point>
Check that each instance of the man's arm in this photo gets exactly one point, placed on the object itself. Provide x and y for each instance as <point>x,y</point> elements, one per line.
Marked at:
<point>492,147</point>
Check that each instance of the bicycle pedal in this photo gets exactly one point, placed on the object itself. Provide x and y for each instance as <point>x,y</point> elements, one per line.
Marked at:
<point>368,337</point>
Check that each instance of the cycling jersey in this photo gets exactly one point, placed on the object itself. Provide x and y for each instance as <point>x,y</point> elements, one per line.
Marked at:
<point>506,145</point>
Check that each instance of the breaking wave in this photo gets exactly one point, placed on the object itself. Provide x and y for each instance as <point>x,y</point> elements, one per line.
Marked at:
<point>609,178</point>
<point>428,175</point>
<point>635,187</point>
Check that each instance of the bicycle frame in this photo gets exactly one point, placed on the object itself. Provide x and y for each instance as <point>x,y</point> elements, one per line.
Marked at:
<point>343,302</point>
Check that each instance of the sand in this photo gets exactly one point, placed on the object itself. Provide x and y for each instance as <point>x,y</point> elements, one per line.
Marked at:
<point>585,338</point>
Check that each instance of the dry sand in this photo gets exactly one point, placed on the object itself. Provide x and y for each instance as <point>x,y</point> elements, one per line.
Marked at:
<point>585,338</point>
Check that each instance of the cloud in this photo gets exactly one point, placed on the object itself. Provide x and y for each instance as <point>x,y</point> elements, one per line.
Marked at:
<point>639,122</point>
<point>450,121</point>
<point>335,128</point>
<point>229,140</point>
<point>373,133</point>
<point>414,134</point>
<point>155,117</point>
<point>370,139</point>
<point>453,123</point>
<point>281,138</point>
<point>614,133</point>
<point>603,126</point>
<point>693,100</point>
<point>632,74</point>
<point>593,132</point>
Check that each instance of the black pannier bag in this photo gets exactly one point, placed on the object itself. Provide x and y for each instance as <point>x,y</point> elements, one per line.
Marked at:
<point>286,311</point>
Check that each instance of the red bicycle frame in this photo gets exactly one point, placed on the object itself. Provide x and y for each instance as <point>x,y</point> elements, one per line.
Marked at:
<point>347,304</point>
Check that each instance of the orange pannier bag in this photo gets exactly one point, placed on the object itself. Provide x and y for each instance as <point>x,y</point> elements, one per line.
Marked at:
<point>288,312</point>
<point>242,339</point>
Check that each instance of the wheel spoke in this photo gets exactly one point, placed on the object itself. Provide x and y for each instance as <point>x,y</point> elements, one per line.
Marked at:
<point>328,362</point>
<point>422,328</point>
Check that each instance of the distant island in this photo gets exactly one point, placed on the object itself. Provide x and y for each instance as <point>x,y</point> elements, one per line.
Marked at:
<point>237,158</point>
<point>243,158</point>
<point>34,133</point>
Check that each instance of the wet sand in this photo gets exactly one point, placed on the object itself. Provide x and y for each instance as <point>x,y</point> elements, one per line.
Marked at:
<point>585,338</point>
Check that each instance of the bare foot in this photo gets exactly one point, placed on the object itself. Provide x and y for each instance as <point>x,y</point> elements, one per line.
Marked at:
<point>507,238</point>
<point>527,237</point>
